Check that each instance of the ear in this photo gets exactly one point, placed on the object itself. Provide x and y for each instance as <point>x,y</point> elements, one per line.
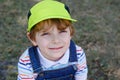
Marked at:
<point>31,40</point>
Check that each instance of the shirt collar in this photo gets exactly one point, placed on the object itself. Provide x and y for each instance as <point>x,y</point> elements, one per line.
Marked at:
<point>48,63</point>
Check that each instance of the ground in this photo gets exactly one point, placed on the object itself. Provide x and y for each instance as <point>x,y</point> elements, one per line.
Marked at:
<point>97,32</point>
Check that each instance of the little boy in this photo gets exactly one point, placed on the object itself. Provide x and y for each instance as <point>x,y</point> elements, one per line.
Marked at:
<point>53,56</point>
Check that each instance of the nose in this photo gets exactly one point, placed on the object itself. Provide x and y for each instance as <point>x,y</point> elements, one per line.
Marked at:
<point>56,38</point>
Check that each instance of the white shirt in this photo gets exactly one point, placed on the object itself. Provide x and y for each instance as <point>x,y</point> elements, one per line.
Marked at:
<point>48,63</point>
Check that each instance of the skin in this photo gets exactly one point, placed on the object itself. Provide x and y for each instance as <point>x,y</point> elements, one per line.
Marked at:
<point>52,43</point>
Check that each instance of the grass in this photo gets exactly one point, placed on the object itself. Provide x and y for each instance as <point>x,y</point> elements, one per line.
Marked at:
<point>97,32</point>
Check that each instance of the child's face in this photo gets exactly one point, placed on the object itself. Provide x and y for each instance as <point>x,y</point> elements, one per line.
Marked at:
<point>53,43</point>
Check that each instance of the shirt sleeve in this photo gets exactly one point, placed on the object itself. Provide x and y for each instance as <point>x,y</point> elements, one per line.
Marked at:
<point>82,71</point>
<point>25,71</point>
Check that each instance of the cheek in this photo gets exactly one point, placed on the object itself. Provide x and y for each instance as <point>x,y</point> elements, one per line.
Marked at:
<point>42,46</point>
<point>66,41</point>
<point>42,42</point>
<point>66,38</point>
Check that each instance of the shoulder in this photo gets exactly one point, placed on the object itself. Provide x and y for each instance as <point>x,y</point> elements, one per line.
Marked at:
<point>25,70</point>
<point>79,49</point>
<point>24,58</point>
<point>81,65</point>
<point>24,63</point>
<point>80,54</point>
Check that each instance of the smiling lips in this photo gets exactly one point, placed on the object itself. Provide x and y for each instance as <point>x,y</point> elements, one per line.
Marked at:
<point>56,48</point>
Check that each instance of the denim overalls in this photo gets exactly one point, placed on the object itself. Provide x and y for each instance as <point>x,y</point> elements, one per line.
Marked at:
<point>66,73</point>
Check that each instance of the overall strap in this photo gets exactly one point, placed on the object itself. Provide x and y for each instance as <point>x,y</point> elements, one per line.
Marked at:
<point>34,57</point>
<point>73,55</point>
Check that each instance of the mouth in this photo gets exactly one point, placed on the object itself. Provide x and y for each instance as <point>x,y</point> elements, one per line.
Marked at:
<point>56,48</point>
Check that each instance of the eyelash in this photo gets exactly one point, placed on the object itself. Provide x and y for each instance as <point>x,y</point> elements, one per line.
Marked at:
<point>63,31</point>
<point>44,34</point>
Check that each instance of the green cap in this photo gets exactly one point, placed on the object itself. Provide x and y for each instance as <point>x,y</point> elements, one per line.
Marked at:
<point>47,9</point>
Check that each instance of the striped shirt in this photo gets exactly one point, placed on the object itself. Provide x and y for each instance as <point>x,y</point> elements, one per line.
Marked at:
<point>25,70</point>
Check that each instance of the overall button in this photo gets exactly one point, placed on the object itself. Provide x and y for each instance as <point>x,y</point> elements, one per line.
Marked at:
<point>41,74</point>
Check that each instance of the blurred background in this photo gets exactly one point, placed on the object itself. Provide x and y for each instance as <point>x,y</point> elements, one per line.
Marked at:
<point>97,32</point>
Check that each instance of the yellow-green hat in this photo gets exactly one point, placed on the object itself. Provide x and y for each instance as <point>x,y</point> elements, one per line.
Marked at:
<point>47,9</point>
